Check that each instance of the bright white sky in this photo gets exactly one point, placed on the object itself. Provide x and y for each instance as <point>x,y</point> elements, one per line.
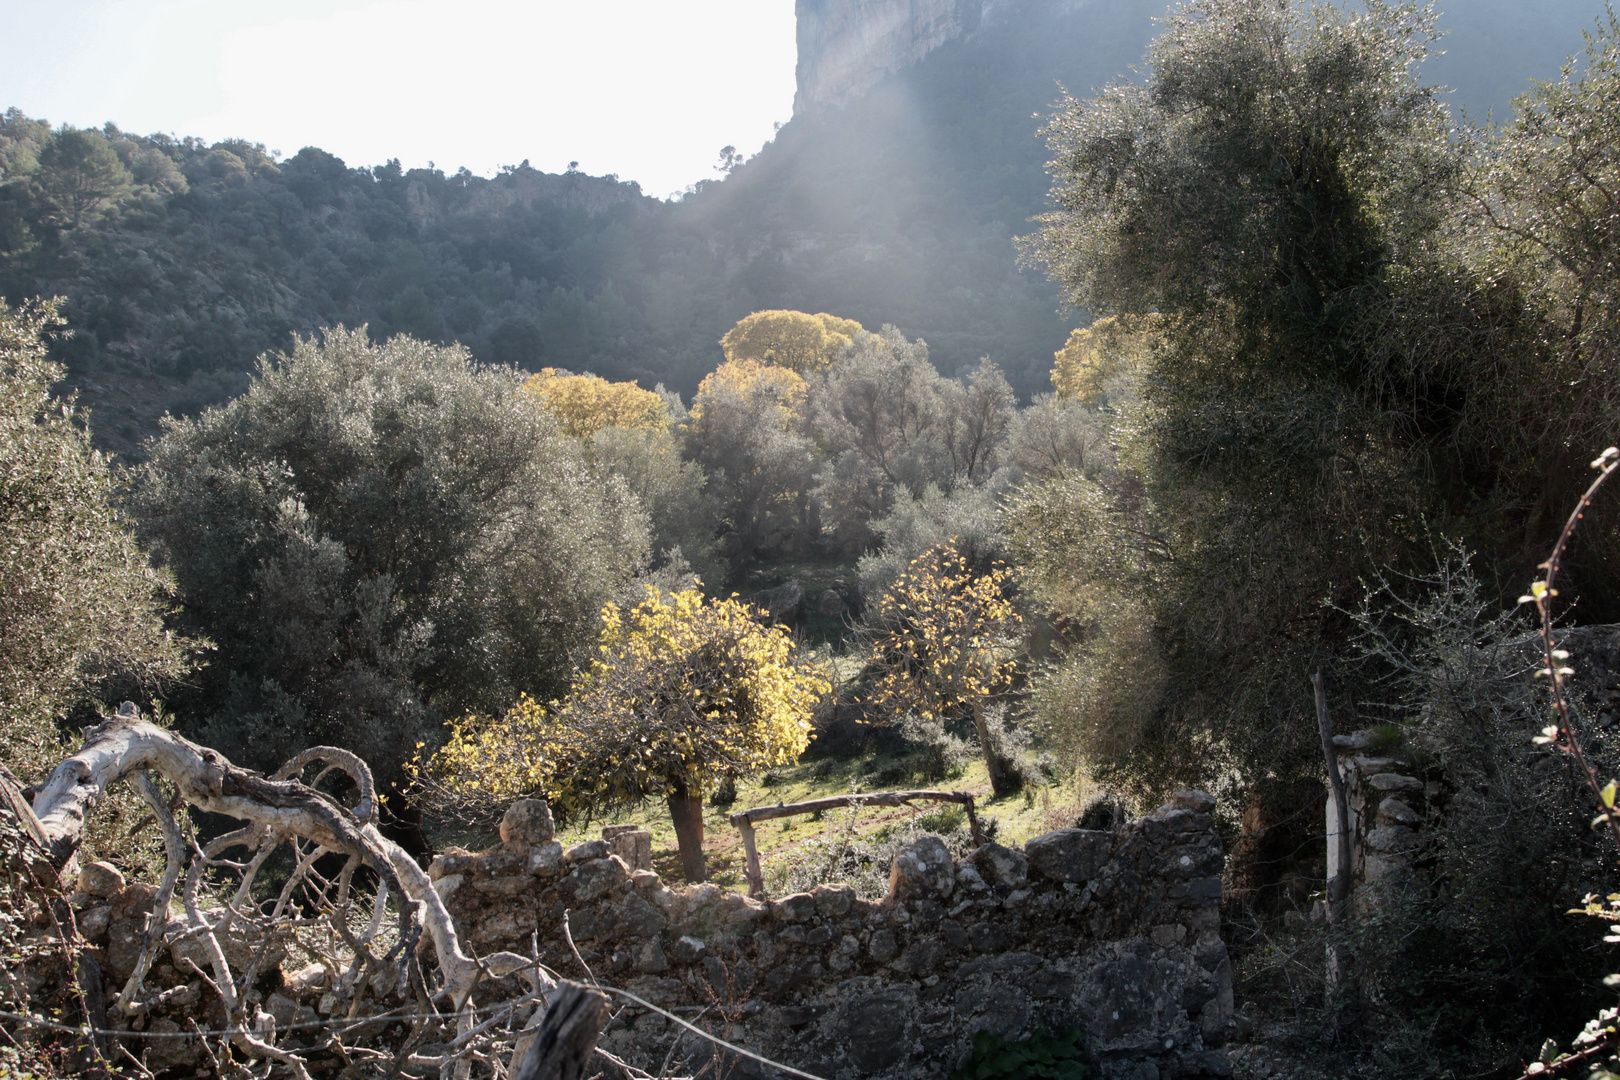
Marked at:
<point>648,89</point>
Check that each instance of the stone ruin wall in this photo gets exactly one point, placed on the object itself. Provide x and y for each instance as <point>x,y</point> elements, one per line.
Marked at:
<point>1387,805</point>
<point>1116,933</point>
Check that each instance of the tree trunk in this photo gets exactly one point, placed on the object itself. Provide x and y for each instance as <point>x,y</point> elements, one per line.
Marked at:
<point>686,811</point>
<point>1002,779</point>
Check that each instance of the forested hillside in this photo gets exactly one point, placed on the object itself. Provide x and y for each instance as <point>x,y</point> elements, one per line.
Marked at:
<point>181,261</point>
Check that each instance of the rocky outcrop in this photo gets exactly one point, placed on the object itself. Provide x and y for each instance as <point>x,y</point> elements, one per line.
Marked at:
<point>1114,932</point>
<point>846,46</point>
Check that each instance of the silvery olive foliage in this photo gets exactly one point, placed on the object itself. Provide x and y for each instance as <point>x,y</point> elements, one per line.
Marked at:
<point>378,537</point>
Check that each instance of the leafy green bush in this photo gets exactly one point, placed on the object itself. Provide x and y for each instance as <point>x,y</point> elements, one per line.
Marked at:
<point>81,608</point>
<point>380,537</point>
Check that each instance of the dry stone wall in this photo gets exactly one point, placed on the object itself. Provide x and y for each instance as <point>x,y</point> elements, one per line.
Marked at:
<point>1115,933</point>
<point>1387,805</point>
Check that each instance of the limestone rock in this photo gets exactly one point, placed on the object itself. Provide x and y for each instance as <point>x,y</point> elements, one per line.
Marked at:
<point>1069,854</point>
<point>650,959</point>
<point>590,849</point>
<point>101,879</point>
<point>93,921</point>
<point>283,1009</point>
<point>126,923</point>
<point>782,603</point>
<point>1168,934</point>
<point>970,879</point>
<point>923,869</point>
<point>847,46</point>
<point>795,908</point>
<point>528,821</point>
<point>635,917</point>
<point>1394,782</point>
<point>631,843</point>
<point>833,901</point>
<point>1001,867</point>
<point>452,860</point>
<point>687,949</point>
<point>1199,802</point>
<point>595,878</point>
<point>1390,838</point>
<point>307,979</point>
<point>545,859</point>
<point>1356,740</point>
<point>1395,812</point>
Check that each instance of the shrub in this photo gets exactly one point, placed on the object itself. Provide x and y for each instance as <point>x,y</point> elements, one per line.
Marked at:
<point>81,608</point>
<point>377,537</point>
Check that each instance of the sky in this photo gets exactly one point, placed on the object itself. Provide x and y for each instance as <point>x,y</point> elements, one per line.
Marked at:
<point>647,89</point>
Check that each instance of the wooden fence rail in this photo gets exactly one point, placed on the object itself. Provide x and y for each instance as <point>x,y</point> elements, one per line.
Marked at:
<point>744,819</point>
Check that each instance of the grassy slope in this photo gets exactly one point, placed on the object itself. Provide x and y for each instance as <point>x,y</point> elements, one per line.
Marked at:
<point>1016,818</point>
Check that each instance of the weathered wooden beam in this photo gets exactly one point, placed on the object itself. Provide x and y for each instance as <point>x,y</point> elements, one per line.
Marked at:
<point>756,879</point>
<point>562,1047</point>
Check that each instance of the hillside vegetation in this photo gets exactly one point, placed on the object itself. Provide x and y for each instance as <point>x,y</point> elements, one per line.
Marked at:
<point>181,261</point>
<point>614,500</point>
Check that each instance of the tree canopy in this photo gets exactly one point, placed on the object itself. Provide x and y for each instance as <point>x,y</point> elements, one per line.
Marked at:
<point>746,432</point>
<point>683,694</point>
<point>585,404</point>
<point>945,639</point>
<point>378,537</point>
<point>804,344</point>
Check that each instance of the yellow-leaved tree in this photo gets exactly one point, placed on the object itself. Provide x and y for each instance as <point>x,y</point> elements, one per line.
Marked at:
<point>585,404</point>
<point>803,343</point>
<point>1095,355</point>
<point>945,641</point>
<point>776,391</point>
<point>684,694</point>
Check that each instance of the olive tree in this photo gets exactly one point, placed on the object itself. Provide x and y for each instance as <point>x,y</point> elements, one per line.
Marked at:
<point>81,607</point>
<point>1259,223</point>
<point>745,430</point>
<point>891,425</point>
<point>377,537</point>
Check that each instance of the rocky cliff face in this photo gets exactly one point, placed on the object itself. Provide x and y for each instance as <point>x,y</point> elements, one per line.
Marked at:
<point>845,46</point>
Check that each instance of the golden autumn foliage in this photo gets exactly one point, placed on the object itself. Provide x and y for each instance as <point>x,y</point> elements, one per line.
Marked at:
<point>585,404</point>
<point>947,643</point>
<point>1097,354</point>
<point>802,343</point>
<point>683,693</point>
<point>768,386</point>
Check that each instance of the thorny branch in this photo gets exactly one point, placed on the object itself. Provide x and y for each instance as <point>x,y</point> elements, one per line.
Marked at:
<point>1602,1035</point>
